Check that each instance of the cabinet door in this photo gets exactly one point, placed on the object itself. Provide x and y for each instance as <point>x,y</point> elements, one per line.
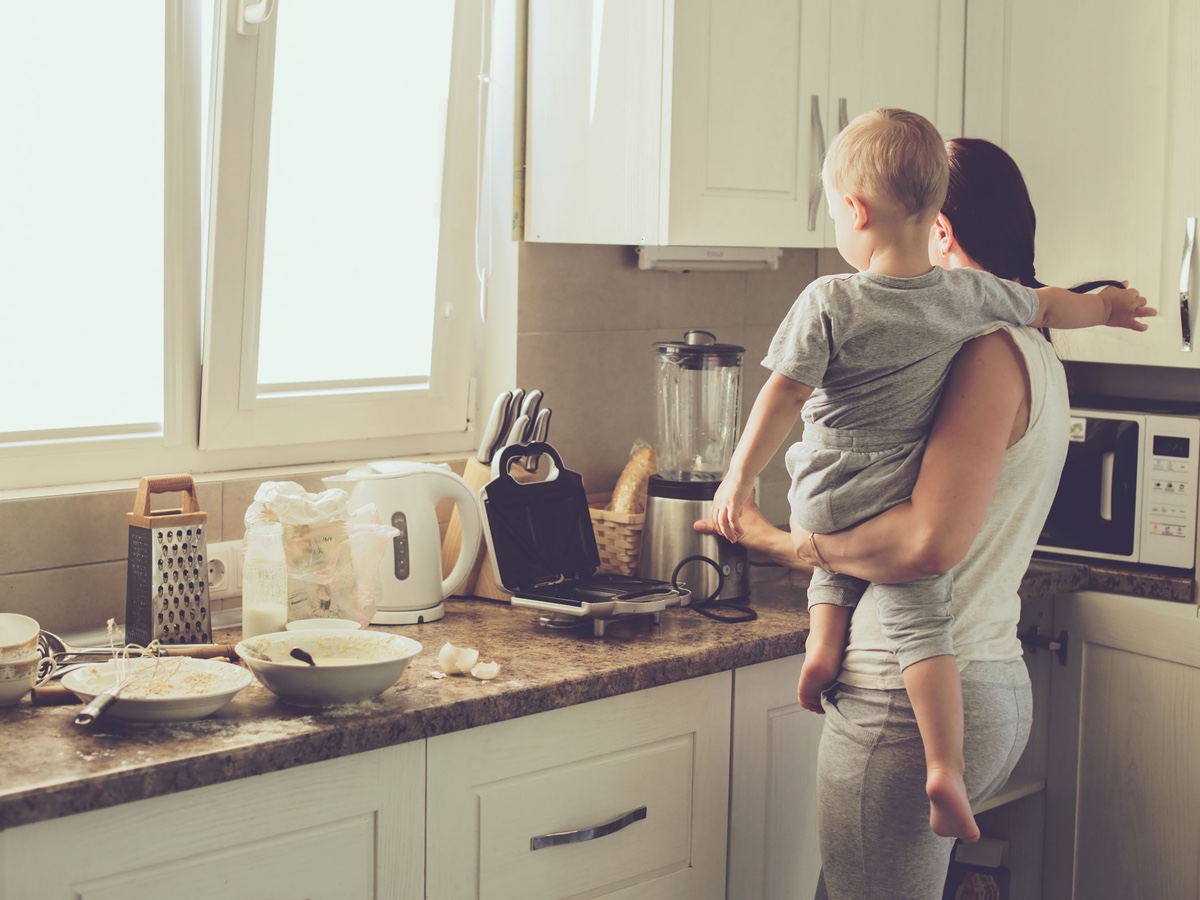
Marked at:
<point>1098,105</point>
<point>594,121</point>
<point>748,89</point>
<point>623,797</point>
<point>345,828</point>
<point>774,851</point>
<point>1123,797</point>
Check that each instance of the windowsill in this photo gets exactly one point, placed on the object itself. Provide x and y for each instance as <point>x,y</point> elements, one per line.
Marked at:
<point>269,473</point>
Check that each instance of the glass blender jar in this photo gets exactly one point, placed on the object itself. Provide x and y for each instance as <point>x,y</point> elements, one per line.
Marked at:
<point>698,397</point>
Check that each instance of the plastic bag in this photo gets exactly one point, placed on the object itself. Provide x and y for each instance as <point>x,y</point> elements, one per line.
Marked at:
<point>333,553</point>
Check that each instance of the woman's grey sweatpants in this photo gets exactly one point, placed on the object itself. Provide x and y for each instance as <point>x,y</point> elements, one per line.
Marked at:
<point>873,812</point>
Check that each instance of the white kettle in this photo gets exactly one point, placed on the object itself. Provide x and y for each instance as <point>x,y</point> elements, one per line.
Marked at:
<point>406,493</point>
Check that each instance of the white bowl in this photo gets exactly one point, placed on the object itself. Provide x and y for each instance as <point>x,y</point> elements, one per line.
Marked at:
<point>17,676</point>
<point>323,625</point>
<point>350,665</point>
<point>166,689</point>
<point>18,636</point>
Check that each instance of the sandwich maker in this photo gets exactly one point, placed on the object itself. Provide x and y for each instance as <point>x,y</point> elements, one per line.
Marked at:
<point>543,550</point>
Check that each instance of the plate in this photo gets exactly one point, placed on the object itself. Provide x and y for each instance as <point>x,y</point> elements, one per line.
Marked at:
<point>162,689</point>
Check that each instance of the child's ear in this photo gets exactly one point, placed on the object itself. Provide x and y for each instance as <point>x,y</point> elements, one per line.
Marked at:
<point>858,209</point>
<point>942,233</point>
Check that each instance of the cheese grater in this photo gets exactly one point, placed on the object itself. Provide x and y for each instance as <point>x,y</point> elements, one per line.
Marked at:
<point>166,588</point>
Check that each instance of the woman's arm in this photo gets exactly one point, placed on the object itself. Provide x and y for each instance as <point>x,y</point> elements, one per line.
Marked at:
<point>928,535</point>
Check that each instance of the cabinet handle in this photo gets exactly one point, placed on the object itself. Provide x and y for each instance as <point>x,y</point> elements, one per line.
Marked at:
<point>814,192</point>
<point>1185,282</point>
<point>587,834</point>
<point>1106,485</point>
<point>843,114</point>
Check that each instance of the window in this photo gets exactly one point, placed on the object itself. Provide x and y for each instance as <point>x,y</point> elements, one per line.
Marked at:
<point>277,274</point>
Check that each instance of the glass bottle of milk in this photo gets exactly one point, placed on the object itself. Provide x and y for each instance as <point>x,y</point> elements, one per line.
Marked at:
<point>264,581</point>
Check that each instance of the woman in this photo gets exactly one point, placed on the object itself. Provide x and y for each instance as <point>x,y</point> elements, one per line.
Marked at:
<point>988,476</point>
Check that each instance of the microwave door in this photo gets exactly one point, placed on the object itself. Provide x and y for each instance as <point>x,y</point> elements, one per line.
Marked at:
<point>1095,508</point>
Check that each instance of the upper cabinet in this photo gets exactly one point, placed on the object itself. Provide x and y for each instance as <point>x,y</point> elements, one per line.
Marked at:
<point>704,122</point>
<point>1099,104</point>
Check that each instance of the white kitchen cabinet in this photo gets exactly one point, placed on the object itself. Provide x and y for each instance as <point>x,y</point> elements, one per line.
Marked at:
<point>346,828</point>
<point>774,853</point>
<point>703,122</point>
<point>1123,792</point>
<point>1099,104</point>
<point>652,766</point>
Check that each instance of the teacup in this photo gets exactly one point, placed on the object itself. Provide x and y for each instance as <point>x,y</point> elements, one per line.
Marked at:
<point>17,677</point>
<point>18,637</point>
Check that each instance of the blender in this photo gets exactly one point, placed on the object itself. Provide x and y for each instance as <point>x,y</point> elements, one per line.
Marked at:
<point>699,387</point>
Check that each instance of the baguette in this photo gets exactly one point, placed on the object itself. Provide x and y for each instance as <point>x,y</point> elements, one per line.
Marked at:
<point>629,495</point>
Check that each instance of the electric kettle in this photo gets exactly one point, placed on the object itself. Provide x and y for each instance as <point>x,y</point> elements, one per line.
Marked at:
<point>406,494</point>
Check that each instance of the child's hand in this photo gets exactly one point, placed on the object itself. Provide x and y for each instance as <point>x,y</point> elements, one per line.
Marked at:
<point>1126,307</point>
<point>727,507</point>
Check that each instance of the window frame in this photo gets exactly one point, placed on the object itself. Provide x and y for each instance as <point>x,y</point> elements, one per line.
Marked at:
<point>100,460</point>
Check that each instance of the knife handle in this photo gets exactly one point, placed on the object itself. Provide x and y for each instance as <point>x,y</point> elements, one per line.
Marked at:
<point>1185,280</point>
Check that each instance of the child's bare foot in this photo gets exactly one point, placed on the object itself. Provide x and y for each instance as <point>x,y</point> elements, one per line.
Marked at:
<point>949,809</point>
<point>821,666</point>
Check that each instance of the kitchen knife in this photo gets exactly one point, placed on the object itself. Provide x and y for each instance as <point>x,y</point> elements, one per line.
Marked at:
<point>491,431</point>
<point>541,428</point>
<point>505,424</point>
<point>519,433</point>
<point>529,407</point>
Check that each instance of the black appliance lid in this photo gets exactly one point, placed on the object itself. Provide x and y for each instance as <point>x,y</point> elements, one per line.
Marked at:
<point>699,349</point>
<point>541,531</point>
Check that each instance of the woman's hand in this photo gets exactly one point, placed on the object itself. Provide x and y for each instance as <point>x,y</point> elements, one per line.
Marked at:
<point>1126,307</point>
<point>802,547</point>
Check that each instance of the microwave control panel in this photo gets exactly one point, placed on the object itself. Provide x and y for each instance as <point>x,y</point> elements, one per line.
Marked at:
<point>1169,489</point>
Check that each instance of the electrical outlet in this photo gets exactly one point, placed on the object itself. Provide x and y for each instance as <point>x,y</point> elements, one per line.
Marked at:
<point>224,570</point>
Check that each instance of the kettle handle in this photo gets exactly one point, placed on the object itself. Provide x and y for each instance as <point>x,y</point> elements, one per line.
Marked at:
<point>456,488</point>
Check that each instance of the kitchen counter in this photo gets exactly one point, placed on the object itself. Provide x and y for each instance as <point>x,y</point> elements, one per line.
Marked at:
<point>53,767</point>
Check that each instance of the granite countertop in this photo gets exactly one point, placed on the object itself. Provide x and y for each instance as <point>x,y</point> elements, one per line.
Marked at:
<point>54,768</point>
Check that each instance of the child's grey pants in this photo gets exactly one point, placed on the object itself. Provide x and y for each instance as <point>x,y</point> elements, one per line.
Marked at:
<point>873,813</point>
<point>841,477</point>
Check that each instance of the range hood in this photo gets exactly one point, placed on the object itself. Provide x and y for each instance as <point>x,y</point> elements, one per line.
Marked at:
<point>708,259</point>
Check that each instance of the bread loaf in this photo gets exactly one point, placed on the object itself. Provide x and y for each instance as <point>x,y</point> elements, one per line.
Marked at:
<point>629,495</point>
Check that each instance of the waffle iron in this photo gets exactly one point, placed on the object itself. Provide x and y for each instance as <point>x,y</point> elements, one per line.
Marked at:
<point>543,550</point>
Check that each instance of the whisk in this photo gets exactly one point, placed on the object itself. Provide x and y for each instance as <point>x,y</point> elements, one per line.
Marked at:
<point>142,669</point>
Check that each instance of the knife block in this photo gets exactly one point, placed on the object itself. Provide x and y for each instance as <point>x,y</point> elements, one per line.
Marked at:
<point>476,475</point>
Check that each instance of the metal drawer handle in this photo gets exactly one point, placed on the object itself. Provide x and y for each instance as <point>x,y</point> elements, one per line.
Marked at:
<point>815,191</point>
<point>587,834</point>
<point>1185,279</point>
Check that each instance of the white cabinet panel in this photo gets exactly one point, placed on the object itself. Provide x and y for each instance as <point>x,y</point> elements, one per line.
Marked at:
<point>714,135</point>
<point>491,790</point>
<point>774,850</point>
<point>1123,797</point>
<point>336,830</point>
<point>1106,144</point>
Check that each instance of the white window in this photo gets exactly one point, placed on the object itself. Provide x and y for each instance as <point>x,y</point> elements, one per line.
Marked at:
<point>283,273</point>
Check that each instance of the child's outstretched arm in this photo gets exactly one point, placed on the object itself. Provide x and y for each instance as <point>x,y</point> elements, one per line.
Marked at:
<point>771,419</point>
<point>1116,307</point>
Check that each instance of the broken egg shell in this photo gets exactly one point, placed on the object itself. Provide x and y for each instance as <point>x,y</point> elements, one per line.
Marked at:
<point>457,660</point>
<point>486,671</point>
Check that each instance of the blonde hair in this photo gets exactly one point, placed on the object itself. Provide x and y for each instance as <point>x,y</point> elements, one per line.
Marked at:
<point>889,154</point>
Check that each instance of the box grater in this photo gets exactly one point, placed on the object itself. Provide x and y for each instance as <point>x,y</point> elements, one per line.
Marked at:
<point>166,588</point>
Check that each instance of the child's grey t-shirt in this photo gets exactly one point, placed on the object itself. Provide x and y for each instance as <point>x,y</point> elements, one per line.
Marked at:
<point>876,349</point>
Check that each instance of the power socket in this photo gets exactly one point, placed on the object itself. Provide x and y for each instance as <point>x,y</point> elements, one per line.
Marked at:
<point>224,570</point>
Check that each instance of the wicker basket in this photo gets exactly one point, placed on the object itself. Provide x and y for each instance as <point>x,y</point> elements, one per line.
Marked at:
<point>618,536</point>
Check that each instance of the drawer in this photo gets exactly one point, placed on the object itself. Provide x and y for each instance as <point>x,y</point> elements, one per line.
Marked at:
<point>664,750</point>
<point>654,780</point>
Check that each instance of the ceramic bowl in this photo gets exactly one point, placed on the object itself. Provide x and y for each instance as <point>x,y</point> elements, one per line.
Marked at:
<point>323,625</point>
<point>18,636</point>
<point>350,665</point>
<point>167,689</point>
<point>17,677</point>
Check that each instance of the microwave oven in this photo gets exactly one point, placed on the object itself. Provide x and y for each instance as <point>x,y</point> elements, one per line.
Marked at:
<point>1128,489</point>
